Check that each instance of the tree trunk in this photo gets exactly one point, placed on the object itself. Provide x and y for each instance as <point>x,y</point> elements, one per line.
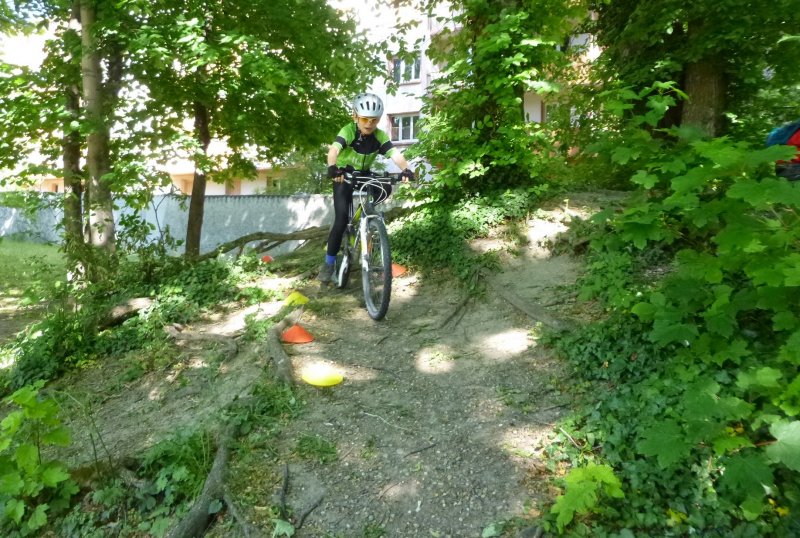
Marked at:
<point>73,188</point>
<point>101,217</point>
<point>194,225</point>
<point>705,86</point>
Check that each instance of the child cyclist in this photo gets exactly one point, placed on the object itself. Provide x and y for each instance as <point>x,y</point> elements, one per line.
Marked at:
<point>355,148</point>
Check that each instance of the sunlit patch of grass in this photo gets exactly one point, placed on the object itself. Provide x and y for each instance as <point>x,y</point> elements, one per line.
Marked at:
<point>23,263</point>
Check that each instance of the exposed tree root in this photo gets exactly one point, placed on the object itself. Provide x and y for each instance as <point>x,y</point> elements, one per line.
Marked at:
<point>275,351</point>
<point>246,528</point>
<point>534,311</point>
<point>196,521</point>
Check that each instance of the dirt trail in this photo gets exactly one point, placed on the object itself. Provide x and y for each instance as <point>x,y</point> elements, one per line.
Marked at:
<point>445,407</point>
<point>439,425</point>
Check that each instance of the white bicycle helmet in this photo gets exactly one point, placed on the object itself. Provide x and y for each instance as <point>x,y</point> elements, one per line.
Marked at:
<point>368,105</point>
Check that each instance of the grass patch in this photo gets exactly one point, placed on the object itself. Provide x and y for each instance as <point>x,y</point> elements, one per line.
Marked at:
<point>24,264</point>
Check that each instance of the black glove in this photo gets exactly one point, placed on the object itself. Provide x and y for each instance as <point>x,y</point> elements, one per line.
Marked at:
<point>407,174</point>
<point>335,171</point>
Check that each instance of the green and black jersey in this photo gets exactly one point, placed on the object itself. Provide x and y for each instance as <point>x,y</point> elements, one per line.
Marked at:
<point>359,150</point>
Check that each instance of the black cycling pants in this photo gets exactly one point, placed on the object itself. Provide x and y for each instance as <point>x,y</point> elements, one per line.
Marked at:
<point>342,198</point>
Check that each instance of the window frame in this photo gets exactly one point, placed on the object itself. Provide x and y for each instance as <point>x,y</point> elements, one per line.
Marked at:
<point>400,67</point>
<point>396,131</point>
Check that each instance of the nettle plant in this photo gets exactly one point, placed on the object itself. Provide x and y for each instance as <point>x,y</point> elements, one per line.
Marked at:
<point>31,488</point>
<point>709,436</point>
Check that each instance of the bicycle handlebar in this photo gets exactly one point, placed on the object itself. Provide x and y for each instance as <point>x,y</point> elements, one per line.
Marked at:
<point>357,178</point>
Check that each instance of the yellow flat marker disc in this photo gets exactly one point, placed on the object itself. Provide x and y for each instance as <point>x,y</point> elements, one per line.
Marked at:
<point>321,375</point>
<point>295,298</point>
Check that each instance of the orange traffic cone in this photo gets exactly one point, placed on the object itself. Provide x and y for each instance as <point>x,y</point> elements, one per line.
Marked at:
<point>398,270</point>
<point>296,335</point>
<point>266,258</point>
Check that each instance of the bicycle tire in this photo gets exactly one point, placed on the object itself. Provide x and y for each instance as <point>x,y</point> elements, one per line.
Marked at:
<point>344,262</point>
<point>377,274</point>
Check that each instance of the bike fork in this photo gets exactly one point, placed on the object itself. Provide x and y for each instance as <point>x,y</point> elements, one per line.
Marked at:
<point>362,231</point>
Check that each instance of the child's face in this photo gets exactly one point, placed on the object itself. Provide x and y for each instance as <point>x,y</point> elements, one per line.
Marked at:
<point>366,125</point>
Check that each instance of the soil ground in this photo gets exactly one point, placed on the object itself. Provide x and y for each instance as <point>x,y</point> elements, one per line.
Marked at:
<point>439,426</point>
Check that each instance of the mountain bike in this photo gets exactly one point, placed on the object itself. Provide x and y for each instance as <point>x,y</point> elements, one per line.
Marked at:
<point>365,239</point>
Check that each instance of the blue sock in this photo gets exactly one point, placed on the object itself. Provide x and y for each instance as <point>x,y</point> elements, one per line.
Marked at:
<point>330,260</point>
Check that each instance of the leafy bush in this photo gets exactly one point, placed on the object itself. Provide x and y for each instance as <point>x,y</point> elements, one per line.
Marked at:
<point>433,237</point>
<point>695,373</point>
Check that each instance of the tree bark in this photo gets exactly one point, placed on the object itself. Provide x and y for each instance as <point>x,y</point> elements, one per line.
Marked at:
<point>705,86</point>
<point>101,217</point>
<point>73,187</point>
<point>194,225</point>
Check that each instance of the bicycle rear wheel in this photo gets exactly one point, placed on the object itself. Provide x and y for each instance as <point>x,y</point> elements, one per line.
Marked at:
<point>377,274</point>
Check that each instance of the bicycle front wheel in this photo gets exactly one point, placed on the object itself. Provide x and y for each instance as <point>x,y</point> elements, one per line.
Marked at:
<point>344,261</point>
<point>377,272</point>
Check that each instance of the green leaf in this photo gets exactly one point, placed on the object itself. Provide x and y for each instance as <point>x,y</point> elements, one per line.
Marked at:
<point>786,448</point>
<point>746,475</point>
<point>214,506</point>
<point>282,528</point>
<point>645,311</point>
<point>27,457</point>
<point>14,510</point>
<point>53,474</point>
<point>583,487</point>
<point>57,437</point>
<point>11,484</point>
<point>752,508</point>
<point>648,181</point>
<point>764,377</point>
<point>495,529</point>
<point>12,422</point>
<point>38,518</point>
<point>666,441</point>
<point>730,443</point>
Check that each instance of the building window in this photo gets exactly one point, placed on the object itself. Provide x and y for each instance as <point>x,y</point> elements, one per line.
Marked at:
<point>405,128</point>
<point>405,70</point>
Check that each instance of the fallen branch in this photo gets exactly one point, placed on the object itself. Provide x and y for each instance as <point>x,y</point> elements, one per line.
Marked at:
<point>317,232</point>
<point>284,491</point>
<point>124,311</point>
<point>459,307</point>
<point>417,451</point>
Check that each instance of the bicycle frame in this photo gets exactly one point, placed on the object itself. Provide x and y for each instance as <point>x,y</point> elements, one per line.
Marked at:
<point>365,225</point>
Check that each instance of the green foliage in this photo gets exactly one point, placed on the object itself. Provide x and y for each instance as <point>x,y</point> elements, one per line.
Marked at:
<point>67,336</point>
<point>700,350</point>
<point>584,486</point>
<point>646,41</point>
<point>176,469</point>
<point>314,447</point>
<point>32,489</point>
<point>433,236</point>
<point>475,132</point>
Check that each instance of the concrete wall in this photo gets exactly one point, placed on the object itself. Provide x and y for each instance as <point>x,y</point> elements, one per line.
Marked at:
<point>226,218</point>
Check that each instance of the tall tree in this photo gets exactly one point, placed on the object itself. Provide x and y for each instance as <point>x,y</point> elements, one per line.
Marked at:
<point>717,51</point>
<point>257,76</point>
<point>494,53</point>
<point>260,78</point>
<point>101,217</point>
